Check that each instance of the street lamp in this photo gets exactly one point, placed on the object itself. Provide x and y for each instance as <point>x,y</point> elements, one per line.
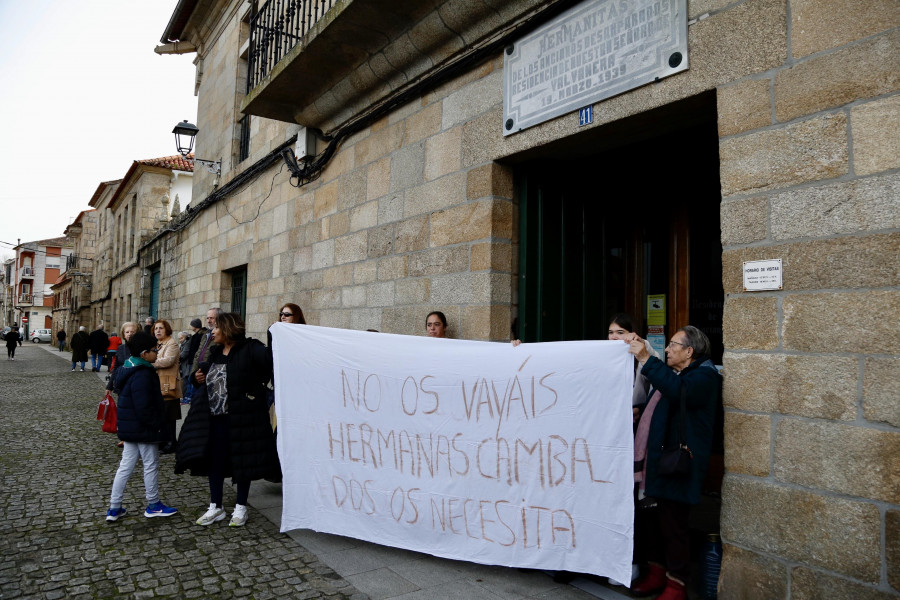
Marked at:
<point>184,142</point>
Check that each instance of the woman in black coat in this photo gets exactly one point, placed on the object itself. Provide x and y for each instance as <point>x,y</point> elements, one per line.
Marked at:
<point>12,338</point>
<point>688,378</point>
<point>227,430</point>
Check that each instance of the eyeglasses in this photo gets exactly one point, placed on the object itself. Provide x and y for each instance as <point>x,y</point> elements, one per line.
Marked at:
<point>284,314</point>
<point>674,342</point>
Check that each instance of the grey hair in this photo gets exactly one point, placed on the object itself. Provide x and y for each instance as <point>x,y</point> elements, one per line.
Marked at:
<point>697,340</point>
<point>186,334</point>
<point>218,310</point>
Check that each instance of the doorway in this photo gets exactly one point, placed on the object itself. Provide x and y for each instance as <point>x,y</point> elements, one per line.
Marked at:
<point>627,224</point>
<point>626,219</point>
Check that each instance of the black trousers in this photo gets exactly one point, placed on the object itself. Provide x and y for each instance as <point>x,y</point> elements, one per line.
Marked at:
<point>671,539</point>
<point>219,461</point>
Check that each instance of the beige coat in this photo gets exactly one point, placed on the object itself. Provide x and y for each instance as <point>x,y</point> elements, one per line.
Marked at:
<point>167,361</point>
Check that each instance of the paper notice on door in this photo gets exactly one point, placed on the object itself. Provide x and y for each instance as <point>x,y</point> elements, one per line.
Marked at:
<point>656,309</point>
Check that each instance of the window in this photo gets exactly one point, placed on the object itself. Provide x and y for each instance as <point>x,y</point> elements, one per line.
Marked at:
<point>154,291</point>
<point>239,291</point>
<point>244,149</point>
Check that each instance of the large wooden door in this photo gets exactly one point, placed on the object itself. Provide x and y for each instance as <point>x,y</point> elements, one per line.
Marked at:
<point>607,233</point>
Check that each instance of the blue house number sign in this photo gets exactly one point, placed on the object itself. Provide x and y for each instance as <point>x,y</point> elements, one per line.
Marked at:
<point>586,116</point>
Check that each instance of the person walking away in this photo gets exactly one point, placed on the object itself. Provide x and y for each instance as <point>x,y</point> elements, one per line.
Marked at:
<point>114,342</point>
<point>99,342</point>
<point>227,430</point>
<point>80,344</point>
<point>167,368</point>
<point>140,419</point>
<point>12,338</point>
<point>61,339</point>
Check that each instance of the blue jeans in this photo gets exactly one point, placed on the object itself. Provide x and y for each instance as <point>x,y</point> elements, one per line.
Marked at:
<point>73,365</point>
<point>62,345</point>
<point>149,455</point>
<point>96,361</point>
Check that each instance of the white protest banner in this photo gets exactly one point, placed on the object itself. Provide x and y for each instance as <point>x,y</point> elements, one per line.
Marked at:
<point>478,451</point>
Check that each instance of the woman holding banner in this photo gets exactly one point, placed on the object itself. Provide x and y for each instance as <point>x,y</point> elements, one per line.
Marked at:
<point>620,326</point>
<point>289,313</point>
<point>227,431</point>
<point>679,420</point>
<point>436,324</point>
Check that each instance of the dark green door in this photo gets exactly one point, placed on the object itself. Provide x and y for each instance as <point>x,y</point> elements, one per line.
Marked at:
<point>600,234</point>
<point>154,292</point>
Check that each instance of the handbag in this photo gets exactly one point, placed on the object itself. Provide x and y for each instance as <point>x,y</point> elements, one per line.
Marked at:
<point>676,462</point>
<point>170,387</point>
<point>109,419</point>
<point>101,408</point>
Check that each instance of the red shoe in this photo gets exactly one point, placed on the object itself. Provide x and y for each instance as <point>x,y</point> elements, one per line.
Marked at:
<point>652,582</point>
<point>675,590</point>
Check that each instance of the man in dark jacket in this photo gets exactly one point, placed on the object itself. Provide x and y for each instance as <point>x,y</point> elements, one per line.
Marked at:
<point>206,344</point>
<point>196,339</point>
<point>99,342</point>
<point>80,344</point>
<point>140,419</point>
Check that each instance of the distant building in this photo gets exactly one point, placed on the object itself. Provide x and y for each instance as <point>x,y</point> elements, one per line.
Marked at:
<point>7,274</point>
<point>38,265</point>
<point>108,283</point>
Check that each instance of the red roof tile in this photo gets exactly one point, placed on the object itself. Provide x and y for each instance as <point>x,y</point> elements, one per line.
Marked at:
<point>176,162</point>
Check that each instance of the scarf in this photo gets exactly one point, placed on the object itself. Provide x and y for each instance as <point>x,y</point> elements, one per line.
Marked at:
<point>202,353</point>
<point>641,438</point>
<point>134,361</point>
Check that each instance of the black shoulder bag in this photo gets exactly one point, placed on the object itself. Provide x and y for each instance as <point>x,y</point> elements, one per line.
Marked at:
<point>676,462</point>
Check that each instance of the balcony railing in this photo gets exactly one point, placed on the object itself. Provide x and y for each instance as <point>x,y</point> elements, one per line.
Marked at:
<point>27,299</point>
<point>27,272</point>
<point>275,29</point>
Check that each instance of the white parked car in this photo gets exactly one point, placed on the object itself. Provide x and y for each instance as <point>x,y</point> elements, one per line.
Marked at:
<point>41,335</point>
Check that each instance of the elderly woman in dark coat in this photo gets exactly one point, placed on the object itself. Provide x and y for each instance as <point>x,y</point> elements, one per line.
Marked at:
<point>227,431</point>
<point>80,344</point>
<point>688,375</point>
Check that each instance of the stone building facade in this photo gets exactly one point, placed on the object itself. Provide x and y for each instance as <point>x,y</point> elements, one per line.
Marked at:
<point>72,293</point>
<point>780,141</point>
<point>117,278</point>
<point>38,266</point>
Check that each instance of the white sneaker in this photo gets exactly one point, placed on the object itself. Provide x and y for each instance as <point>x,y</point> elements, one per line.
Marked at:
<point>239,516</point>
<point>212,515</point>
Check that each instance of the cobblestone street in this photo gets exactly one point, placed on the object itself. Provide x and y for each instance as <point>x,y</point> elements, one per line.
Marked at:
<point>57,468</point>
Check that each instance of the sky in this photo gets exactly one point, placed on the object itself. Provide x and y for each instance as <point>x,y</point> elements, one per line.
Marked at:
<point>84,95</point>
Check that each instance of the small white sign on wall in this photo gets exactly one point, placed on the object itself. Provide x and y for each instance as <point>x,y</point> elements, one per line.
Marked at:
<point>761,275</point>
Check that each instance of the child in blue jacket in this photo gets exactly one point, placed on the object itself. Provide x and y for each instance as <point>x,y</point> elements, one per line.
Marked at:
<point>140,419</point>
